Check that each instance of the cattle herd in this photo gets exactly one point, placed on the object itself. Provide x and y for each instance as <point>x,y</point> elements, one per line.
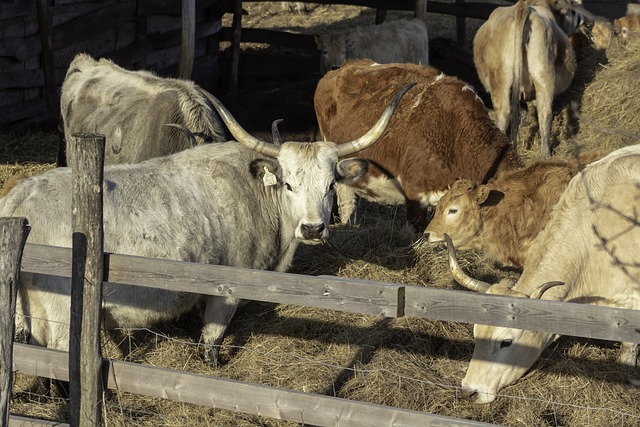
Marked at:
<point>395,131</point>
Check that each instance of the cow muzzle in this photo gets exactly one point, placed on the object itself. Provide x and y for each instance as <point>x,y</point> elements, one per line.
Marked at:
<point>313,233</point>
<point>433,237</point>
<point>480,397</point>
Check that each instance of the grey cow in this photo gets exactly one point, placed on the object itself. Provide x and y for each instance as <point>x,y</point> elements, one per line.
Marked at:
<point>131,108</point>
<point>246,204</point>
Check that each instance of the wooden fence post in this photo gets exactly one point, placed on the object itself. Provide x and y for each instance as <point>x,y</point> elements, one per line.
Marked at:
<point>236,36</point>
<point>13,235</point>
<point>85,355</point>
<point>461,26</point>
<point>48,65</point>
<point>188,40</point>
<point>421,10</point>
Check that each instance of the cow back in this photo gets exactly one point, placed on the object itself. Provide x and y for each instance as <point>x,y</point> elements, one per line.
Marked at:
<point>131,108</point>
<point>440,133</point>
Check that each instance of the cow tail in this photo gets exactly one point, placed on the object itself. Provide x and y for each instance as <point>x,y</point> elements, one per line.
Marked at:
<point>519,51</point>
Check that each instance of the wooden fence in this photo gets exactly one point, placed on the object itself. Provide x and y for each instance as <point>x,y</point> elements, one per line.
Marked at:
<point>341,294</point>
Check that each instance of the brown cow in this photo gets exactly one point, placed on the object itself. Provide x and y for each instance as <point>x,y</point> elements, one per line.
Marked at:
<point>522,52</point>
<point>442,132</point>
<point>503,217</point>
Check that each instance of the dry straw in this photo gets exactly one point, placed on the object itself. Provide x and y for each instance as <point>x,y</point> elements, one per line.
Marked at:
<point>408,362</point>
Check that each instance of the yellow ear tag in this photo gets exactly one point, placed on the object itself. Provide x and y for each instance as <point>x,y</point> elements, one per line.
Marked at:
<point>268,179</point>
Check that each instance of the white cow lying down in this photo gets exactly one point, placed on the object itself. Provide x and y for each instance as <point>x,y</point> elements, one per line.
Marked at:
<point>207,204</point>
<point>393,41</point>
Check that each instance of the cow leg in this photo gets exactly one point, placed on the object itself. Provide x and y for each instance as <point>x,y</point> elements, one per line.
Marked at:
<point>346,203</point>
<point>544,103</point>
<point>544,122</point>
<point>217,315</point>
<point>628,353</point>
<point>502,110</point>
<point>628,357</point>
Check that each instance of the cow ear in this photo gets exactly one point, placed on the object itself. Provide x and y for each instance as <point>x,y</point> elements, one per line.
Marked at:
<point>350,171</point>
<point>494,198</point>
<point>266,170</point>
<point>482,193</point>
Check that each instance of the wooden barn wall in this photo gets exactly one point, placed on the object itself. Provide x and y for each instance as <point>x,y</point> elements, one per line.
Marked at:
<point>136,34</point>
<point>145,34</point>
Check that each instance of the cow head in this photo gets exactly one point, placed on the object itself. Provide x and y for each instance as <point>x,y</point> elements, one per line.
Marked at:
<point>333,50</point>
<point>501,356</point>
<point>304,173</point>
<point>459,213</point>
<point>570,15</point>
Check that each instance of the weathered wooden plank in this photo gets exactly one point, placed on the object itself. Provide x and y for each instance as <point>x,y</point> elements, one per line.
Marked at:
<point>63,13</point>
<point>28,109</point>
<point>20,48</point>
<point>13,27</point>
<point>40,361</point>
<point>169,7</point>
<point>16,8</point>
<point>254,399</point>
<point>172,38</point>
<point>341,294</point>
<point>16,421</point>
<point>85,368</point>
<point>278,38</point>
<point>50,87</point>
<point>21,79</point>
<point>352,295</point>
<point>94,24</point>
<point>283,404</point>
<point>65,35</point>
<point>236,37</point>
<point>13,235</point>
<point>272,65</point>
<point>581,320</point>
<point>469,10</point>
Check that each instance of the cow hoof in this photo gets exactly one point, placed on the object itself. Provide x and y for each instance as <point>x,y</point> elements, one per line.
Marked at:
<point>212,355</point>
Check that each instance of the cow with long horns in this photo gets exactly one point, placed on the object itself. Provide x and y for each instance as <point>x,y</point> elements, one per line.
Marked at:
<point>242,204</point>
<point>587,253</point>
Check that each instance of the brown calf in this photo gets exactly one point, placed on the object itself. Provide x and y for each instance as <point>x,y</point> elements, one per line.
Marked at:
<point>503,217</point>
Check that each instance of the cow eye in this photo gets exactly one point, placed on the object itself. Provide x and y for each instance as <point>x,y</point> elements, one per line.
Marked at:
<point>505,343</point>
<point>453,211</point>
<point>286,184</point>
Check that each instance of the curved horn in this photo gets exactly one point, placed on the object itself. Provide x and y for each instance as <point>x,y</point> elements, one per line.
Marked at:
<point>376,131</point>
<point>544,288</point>
<point>277,139</point>
<point>186,131</point>
<point>241,135</point>
<point>460,276</point>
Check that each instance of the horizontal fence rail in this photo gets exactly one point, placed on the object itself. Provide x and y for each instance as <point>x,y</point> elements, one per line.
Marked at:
<point>221,393</point>
<point>352,295</point>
